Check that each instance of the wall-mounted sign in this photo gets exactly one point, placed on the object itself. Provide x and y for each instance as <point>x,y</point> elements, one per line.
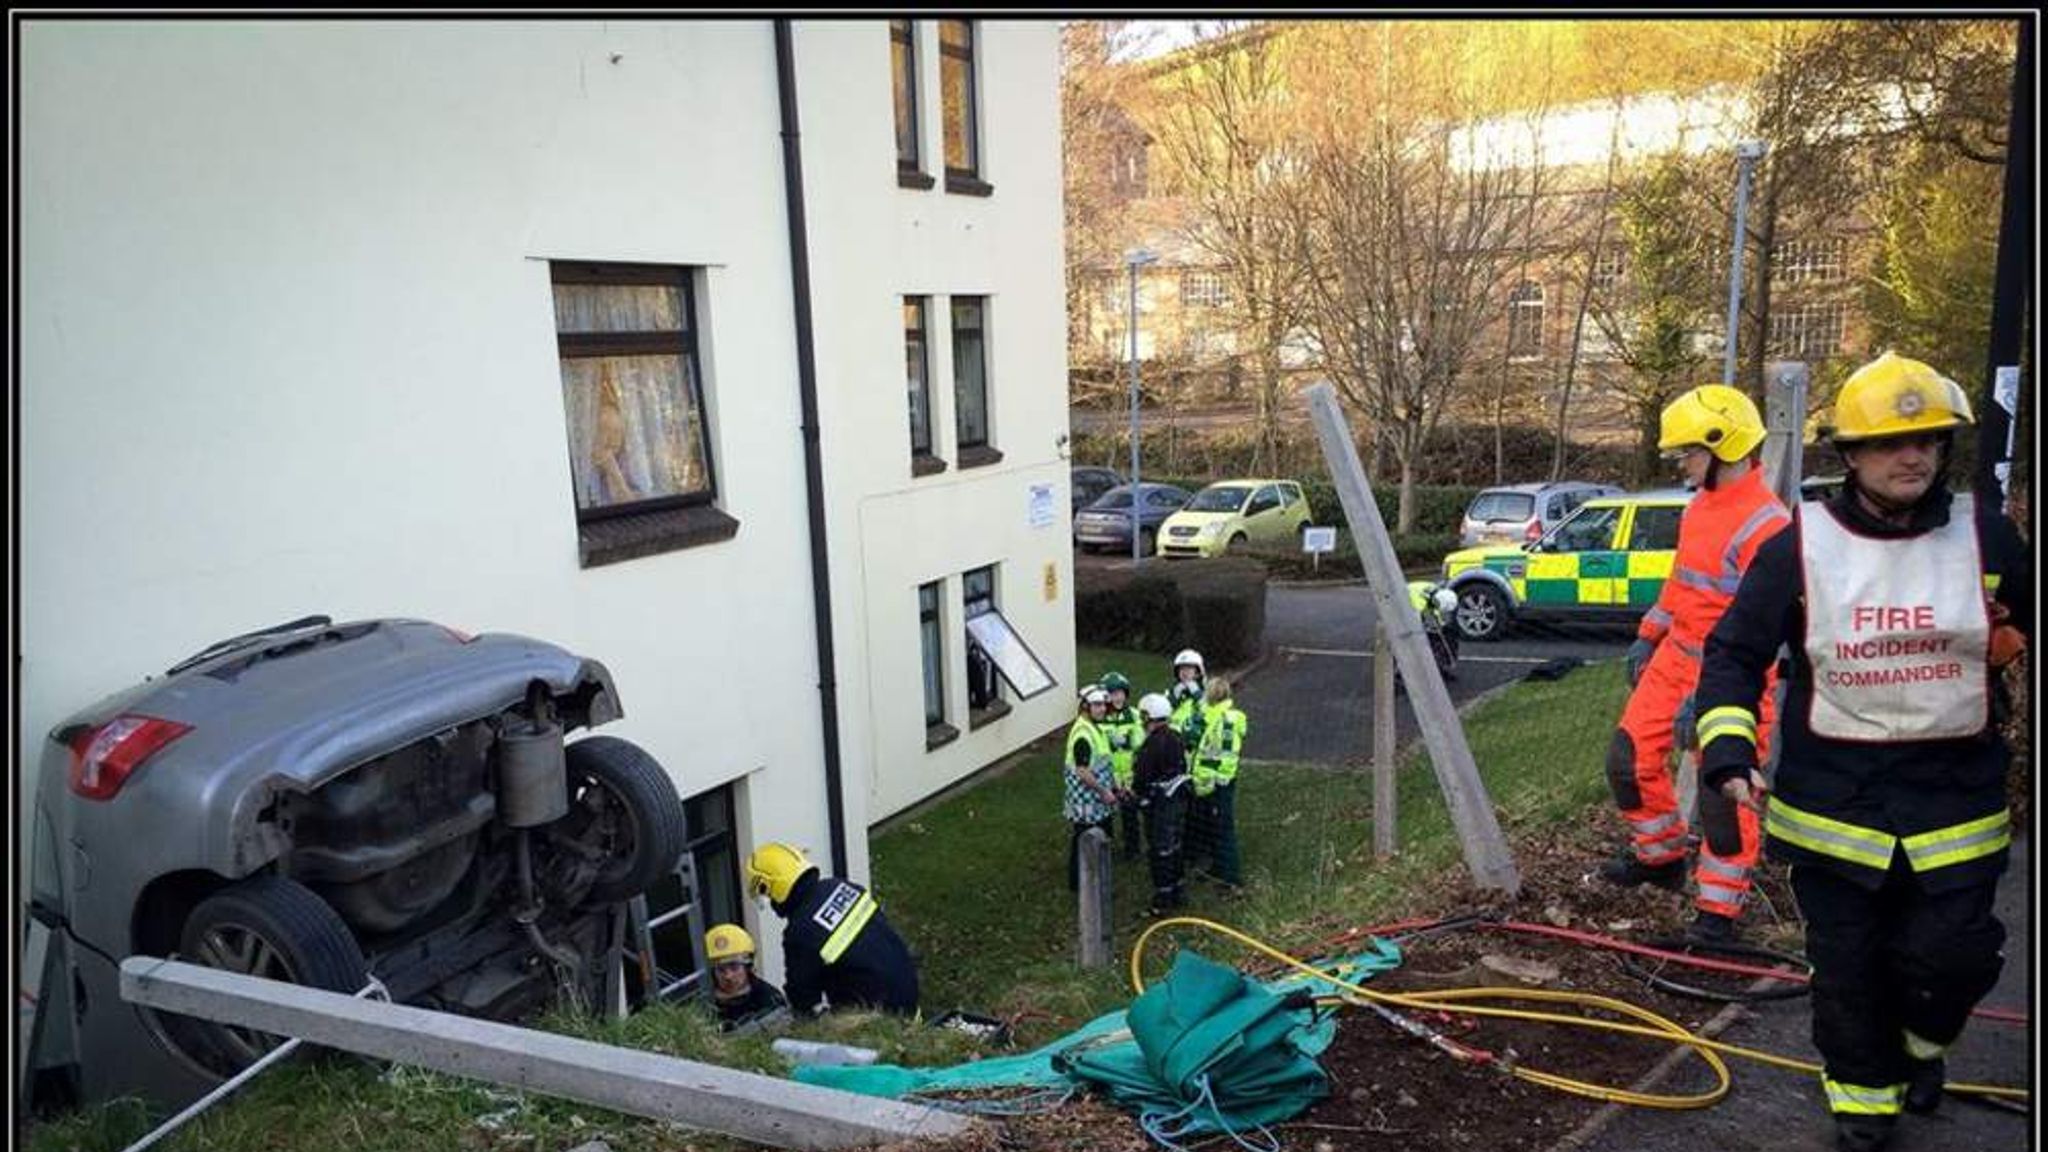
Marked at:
<point>1041,506</point>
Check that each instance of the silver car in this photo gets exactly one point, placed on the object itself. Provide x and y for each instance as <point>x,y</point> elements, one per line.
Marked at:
<point>1522,513</point>
<point>321,803</point>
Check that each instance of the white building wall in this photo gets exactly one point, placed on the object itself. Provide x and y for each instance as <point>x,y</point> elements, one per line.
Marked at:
<point>872,244</point>
<point>287,346</point>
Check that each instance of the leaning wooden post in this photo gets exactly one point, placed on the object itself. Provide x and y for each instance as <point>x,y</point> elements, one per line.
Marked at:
<point>1095,898</point>
<point>1385,839</point>
<point>1486,850</point>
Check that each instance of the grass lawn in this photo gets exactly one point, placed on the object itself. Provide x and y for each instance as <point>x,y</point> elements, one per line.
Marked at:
<point>976,882</point>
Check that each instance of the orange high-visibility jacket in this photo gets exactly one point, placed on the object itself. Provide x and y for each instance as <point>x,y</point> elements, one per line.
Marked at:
<point>1719,533</point>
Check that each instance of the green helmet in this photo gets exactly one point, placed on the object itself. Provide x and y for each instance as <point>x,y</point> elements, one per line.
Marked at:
<point>1115,682</point>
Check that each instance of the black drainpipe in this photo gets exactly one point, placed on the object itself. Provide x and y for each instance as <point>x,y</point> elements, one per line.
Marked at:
<point>814,467</point>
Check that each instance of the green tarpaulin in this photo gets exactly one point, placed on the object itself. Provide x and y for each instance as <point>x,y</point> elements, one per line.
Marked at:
<point>1206,1049</point>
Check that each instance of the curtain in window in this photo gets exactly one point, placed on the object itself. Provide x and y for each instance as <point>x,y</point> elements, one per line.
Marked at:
<point>970,372</point>
<point>634,429</point>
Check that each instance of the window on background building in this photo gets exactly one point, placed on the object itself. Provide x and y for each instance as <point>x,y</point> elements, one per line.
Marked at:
<point>903,70</point>
<point>958,105</point>
<point>1204,290</point>
<point>970,370</point>
<point>1823,260</point>
<point>917,374</point>
<point>1809,332</point>
<point>1525,320</point>
<point>1609,265</point>
<point>978,596</point>
<point>639,441</point>
<point>713,850</point>
<point>934,644</point>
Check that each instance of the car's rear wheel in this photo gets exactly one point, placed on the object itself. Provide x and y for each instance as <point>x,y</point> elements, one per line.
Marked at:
<point>622,805</point>
<point>1148,541</point>
<point>1482,612</point>
<point>267,926</point>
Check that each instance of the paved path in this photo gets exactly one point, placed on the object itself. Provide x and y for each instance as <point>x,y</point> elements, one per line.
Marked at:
<point>1780,1110</point>
<point>1311,701</point>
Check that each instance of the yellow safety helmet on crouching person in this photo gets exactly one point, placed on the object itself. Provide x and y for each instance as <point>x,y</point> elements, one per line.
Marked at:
<point>728,942</point>
<point>1721,419</point>
<point>774,869</point>
<point>1895,396</point>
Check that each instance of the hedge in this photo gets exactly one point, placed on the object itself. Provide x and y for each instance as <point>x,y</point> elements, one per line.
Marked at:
<point>1217,607</point>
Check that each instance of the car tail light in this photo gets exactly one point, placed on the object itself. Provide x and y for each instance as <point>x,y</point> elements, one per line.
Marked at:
<point>102,758</point>
<point>459,635</point>
<point>1535,531</point>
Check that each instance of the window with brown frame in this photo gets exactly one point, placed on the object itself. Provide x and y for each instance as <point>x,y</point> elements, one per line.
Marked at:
<point>903,69</point>
<point>632,388</point>
<point>959,100</point>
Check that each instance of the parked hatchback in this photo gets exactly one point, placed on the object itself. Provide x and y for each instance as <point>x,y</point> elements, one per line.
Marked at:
<point>1522,513</point>
<point>1089,483</point>
<point>322,803</point>
<point>1230,515</point>
<point>1107,522</point>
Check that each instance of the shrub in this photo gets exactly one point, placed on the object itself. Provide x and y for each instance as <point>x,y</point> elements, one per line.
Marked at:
<point>1216,606</point>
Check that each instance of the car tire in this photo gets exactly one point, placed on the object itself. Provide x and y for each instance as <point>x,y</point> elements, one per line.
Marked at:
<point>263,926</point>
<point>623,798</point>
<point>1148,542</point>
<point>1482,612</point>
<point>1237,545</point>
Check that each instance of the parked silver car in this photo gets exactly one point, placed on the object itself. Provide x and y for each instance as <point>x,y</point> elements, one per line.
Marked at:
<point>1522,513</point>
<point>320,803</point>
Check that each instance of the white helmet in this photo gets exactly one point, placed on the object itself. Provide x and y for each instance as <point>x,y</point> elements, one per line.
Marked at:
<point>1094,694</point>
<point>1153,706</point>
<point>1190,656</point>
<point>1446,601</point>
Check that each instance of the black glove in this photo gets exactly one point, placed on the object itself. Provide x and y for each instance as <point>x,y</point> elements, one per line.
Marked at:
<point>1638,658</point>
<point>1685,726</point>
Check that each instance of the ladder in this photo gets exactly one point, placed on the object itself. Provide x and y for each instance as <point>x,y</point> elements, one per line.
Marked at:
<point>659,981</point>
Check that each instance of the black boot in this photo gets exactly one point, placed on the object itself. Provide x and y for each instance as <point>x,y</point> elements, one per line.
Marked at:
<point>1711,929</point>
<point>1862,1133</point>
<point>1626,871</point>
<point>1923,1087</point>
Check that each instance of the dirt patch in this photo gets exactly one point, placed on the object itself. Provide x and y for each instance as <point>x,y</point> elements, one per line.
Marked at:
<point>1390,1090</point>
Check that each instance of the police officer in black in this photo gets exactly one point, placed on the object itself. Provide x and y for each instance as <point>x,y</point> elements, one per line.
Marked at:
<point>1900,604</point>
<point>836,944</point>
<point>1159,773</point>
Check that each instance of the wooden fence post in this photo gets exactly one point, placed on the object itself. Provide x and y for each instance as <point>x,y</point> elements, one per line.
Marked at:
<point>1386,838</point>
<point>1486,850</point>
<point>1096,879</point>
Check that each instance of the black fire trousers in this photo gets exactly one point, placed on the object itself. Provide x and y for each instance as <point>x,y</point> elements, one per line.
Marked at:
<point>1165,817</point>
<point>1893,960</point>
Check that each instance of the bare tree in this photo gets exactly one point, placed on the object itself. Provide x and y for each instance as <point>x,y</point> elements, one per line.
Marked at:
<point>1222,127</point>
<point>1103,148</point>
<point>1409,226</point>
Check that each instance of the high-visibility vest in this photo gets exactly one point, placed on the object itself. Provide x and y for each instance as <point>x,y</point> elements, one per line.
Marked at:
<point>1125,731</point>
<point>1216,755</point>
<point>1717,537</point>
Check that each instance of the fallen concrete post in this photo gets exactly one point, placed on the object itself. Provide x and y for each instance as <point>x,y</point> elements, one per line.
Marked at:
<point>763,1109</point>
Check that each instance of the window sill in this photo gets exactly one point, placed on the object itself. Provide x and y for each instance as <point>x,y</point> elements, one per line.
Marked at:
<point>604,542</point>
<point>923,465</point>
<point>939,735</point>
<point>968,185</point>
<point>914,180</point>
<point>980,457</point>
<point>988,715</point>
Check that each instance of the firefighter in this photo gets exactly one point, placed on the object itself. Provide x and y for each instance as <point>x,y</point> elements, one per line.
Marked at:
<point>1090,792</point>
<point>741,995</point>
<point>1713,431</point>
<point>1213,818</point>
<point>1160,774</point>
<point>1124,730</point>
<point>1900,604</point>
<point>837,946</point>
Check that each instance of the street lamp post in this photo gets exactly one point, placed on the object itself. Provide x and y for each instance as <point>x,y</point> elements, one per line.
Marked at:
<point>1135,259</point>
<point>1747,154</point>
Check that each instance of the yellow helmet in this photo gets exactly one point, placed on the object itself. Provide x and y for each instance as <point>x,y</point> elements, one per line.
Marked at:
<point>1721,419</point>
<point>774,869</point>
<point>1894,396</point>
<point>728,942</point>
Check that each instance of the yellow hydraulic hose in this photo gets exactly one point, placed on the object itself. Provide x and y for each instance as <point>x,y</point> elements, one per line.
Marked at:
<point>1658,1027</point>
